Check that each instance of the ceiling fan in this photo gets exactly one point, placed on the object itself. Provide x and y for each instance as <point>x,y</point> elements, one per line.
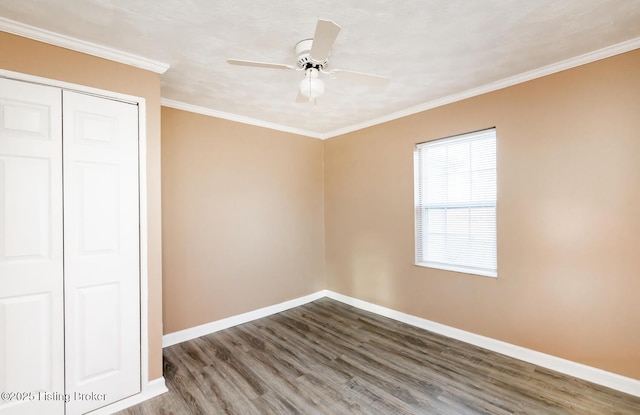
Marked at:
<point>313,58</point>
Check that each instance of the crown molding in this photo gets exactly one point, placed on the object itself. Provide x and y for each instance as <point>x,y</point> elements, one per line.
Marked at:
<point>78,45</point>
<point>583,59</point>
<point>56,39</point>
<point>237,118</point>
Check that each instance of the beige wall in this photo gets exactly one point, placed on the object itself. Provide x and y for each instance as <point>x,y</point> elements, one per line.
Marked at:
<point>244,211</point>
<point>30,57</point>
<point>242,218</point>
<point>568,216</point>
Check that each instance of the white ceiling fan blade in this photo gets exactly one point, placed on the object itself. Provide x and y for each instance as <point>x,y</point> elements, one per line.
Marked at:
<point>326,33</point>
<point>367,78</point>
<point>259,64</point>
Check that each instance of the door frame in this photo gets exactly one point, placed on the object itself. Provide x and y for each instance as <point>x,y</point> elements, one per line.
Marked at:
<point>156,387</point>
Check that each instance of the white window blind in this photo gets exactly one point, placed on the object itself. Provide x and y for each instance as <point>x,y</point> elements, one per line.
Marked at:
<point>455,197</point>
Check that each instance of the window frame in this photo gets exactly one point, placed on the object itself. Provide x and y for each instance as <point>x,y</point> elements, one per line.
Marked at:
<point>420,208</point>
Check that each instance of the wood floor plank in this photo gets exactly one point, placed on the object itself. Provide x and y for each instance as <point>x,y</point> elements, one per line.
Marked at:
<point>326,357</point>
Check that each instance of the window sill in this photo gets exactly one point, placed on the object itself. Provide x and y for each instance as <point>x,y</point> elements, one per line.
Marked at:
<point>462,270</point>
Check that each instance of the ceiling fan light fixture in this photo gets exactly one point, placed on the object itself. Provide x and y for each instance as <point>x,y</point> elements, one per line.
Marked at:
<point>311,86</point>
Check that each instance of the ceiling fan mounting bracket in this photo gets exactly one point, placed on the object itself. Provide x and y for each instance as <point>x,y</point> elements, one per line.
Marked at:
<point>304,60</point>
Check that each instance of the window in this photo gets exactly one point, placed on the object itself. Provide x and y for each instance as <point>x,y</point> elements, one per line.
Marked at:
<point>455,186</point>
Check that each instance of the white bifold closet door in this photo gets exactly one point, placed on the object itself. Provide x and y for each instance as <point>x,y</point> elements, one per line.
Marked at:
<point>101,251</point>
<point>69,250</point>
<point>31,269</point>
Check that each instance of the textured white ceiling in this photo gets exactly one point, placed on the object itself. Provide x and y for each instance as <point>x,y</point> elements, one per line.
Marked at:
<point>430,48</point>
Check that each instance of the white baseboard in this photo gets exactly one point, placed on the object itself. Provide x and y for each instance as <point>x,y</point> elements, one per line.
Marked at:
<point>152,389</point>
<point>568,367</point>
<point>187,334</point>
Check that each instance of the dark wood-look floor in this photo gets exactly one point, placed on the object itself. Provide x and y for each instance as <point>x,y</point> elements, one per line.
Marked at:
<point>329,358</point>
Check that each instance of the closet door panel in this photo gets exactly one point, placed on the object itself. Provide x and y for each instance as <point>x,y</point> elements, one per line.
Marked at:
<point>101,250</point>
<point>31,268</point>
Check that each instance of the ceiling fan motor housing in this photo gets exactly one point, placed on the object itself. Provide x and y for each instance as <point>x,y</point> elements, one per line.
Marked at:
<point>304,60</point>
